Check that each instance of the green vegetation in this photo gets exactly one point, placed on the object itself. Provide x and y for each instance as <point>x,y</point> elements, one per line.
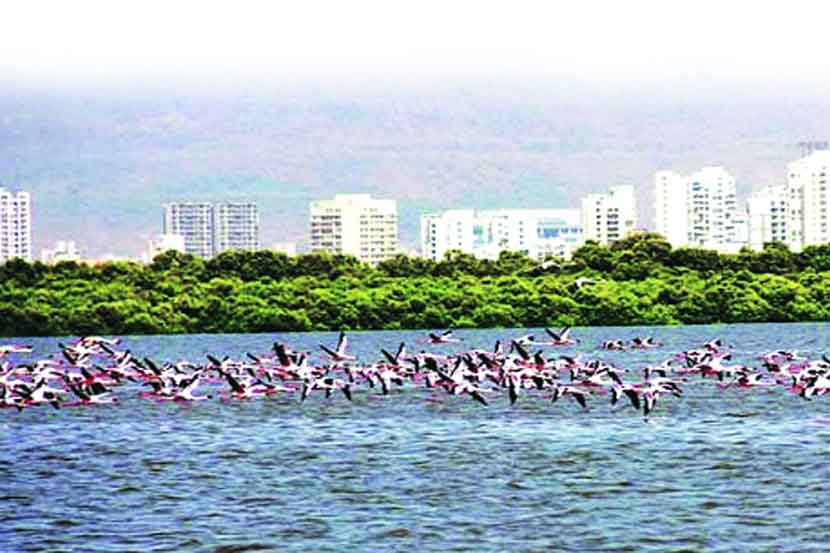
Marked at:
<point>640,280</point>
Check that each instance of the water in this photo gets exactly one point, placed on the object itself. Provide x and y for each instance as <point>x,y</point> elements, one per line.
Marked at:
<point>717,470</point>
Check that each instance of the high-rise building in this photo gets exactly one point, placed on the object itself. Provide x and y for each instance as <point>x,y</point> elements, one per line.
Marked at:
<point>609,217</point>
<point>671,207</point>
<point>713,207</point>
<point>767,212</point>
<point>699,210</point>
<point>210,229</point>
<point>64,250</point>
<point>236,227</point>
<point>537,233</point>
<point>193,221</point>
<point>15,225</point>
<point>355,224</point>
<point>808,200</point>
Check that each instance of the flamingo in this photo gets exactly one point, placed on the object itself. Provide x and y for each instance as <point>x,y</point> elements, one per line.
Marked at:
<point>397,359</point>
<point>572,391</point>
<point>561,338</point>
<point>613,345</point>
<point>644,343</point>
<point>328,384</point>
<point>445,337</point>
<point>339,354</point>
<point>14,348</point>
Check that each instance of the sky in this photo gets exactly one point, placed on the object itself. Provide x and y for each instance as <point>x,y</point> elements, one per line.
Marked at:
<point>81,41</point>
<point>108,110</point>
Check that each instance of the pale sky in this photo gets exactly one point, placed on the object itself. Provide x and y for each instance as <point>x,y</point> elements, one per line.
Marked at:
<point>48,43</point>
<point>113,108</point>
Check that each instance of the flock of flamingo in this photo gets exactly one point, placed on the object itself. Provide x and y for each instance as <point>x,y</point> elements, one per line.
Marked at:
<point>88,371</point>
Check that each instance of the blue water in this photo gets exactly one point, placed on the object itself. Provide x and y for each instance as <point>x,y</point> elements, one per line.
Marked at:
<point>717,470</point>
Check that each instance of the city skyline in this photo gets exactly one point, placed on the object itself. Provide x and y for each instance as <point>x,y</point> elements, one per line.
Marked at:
<point>456,151</point>
<point>699,209</point>
<point>410,236</point>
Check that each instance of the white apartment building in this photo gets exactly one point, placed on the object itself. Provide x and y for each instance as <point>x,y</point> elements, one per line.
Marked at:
<point>537,233</point>
<point>355,224</point>
<point>611,216</point>
<point>193,221</point>
<point>767,212</point>
<point>15,225</point>
<point>671,207</point>
<point>808,199</point>
<point>161,243</point>
<point>64,250</point>
<point>699,210</point>
<point>713,207</point>
<point>236,227</point>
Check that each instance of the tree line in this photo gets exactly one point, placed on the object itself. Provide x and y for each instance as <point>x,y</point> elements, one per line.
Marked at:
<point>637,281</point>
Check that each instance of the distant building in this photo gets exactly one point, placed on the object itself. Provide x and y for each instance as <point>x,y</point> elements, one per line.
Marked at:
<point>609,217</point>
<point>194,222</point>
<point>671,206</point>
<point>210,229</point>
<point>808,200</point>
<point>15,225</point>
<point>236,227</point>
<point>767,211</point>
<point>537,233</point>
<point>713,209</point>
<point>355,224</point>
<point>161,243</point>
<point>699,210</point>
<point>288,248</point>
<point>64,250</point>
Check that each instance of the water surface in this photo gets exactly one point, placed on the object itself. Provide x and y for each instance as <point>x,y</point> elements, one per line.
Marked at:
<point>716,470</point>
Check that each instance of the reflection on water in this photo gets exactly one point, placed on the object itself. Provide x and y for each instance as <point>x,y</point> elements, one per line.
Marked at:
<point>717,470</point>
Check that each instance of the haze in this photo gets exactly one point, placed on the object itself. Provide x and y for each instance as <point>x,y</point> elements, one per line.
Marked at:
<point>106,112</point>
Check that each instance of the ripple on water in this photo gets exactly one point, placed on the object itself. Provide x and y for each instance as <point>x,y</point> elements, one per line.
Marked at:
<point>243,547</point>
<point>309,528</point>
<point>714,470</point>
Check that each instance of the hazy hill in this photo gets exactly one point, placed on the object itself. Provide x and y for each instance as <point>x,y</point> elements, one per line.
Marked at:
<point>100,164</point>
